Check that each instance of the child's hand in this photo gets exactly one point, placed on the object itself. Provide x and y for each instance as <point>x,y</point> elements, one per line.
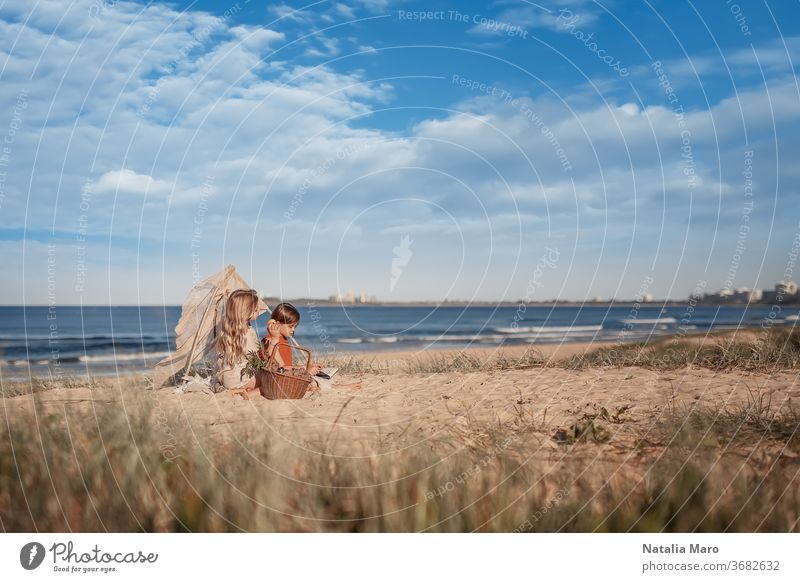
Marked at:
<point>314,369</point>
<point>270,349</point>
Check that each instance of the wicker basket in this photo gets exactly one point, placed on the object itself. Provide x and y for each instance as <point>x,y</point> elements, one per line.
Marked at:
<point>291,384</point>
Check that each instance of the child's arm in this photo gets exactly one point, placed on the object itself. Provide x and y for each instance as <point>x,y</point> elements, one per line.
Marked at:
<point>313,369</point>
<point>271,339</point>
<point>269,342</point>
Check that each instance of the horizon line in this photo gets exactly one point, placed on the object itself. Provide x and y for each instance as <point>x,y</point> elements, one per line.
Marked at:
<point>393,303</point>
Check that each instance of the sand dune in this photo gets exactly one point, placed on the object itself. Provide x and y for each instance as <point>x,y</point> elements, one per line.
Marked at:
<point>402,408</point>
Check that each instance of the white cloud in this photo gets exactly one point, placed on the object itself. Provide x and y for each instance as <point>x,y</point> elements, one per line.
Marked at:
<point>257,39</point>
<point>344,10</point>
<point>329,48</point>
<point>286,12</point>
<point>775,57</point>
<point>129,182</point>
<point>377,5</point>
<point>515,21</point>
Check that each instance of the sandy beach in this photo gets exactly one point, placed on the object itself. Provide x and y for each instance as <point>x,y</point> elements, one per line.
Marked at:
<point>425,404</point>
<point>595,426</point>
<point>389,405</point>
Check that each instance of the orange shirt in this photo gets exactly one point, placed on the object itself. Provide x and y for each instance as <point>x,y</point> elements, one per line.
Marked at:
<point>284,349</point>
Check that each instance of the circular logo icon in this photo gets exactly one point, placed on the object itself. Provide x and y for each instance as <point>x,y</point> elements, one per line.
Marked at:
<point>31,555</point>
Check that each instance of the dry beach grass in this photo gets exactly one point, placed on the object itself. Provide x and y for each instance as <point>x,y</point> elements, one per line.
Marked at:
<point>671,436</point>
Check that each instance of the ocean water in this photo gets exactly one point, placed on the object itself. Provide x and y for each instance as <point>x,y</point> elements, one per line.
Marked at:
<point>102,340</point>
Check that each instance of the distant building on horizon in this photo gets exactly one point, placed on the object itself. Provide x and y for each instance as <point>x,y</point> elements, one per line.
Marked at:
<point>787,291</point>
<point>351,298</point>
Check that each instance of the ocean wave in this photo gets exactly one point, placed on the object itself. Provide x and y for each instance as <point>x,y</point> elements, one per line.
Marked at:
<point>48,361</point>
<point>553,328</point>
<point>124,357</point>
<point>66,337</point>
<point>653,321</point>
<point>75,359</point>
<point>447,337</point>
<point>574,334</point>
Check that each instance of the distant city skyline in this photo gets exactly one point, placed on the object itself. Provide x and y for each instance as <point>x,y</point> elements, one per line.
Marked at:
<point>787,289</point>
<point>405,150</point>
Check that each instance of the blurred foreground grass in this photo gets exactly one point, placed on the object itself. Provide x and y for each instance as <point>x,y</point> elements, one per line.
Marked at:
<point>118,469</point>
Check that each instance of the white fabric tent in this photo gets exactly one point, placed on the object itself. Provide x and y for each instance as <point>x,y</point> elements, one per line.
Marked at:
<point>198,326</point>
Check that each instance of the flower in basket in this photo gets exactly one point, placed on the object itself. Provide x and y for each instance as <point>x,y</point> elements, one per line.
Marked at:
<point>256,360</point>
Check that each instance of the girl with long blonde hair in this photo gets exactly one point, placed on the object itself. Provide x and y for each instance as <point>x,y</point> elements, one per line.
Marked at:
<point>236,338</point>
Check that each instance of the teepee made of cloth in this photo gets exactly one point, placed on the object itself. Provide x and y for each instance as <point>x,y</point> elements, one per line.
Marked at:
<point>196,332</point>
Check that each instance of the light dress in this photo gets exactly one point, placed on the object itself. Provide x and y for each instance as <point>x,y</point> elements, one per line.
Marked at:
<point>231,376</point>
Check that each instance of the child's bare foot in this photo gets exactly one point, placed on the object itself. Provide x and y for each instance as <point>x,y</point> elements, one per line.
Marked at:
<point>351,385</point>
<point>249,393</point>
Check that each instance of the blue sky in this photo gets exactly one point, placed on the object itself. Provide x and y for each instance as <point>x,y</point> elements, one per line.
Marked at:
<point>408,150</point>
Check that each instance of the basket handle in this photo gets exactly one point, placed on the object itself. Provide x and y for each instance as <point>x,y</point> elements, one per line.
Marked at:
<point>272,353</point>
